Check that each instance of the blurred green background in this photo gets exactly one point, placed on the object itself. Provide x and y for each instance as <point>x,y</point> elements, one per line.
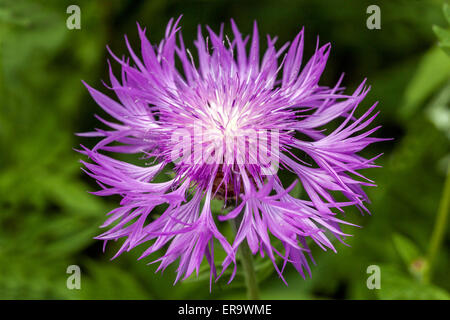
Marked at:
<point>48,220</point>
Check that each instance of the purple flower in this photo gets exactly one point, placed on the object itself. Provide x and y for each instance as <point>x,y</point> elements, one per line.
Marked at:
<point>224,124</point>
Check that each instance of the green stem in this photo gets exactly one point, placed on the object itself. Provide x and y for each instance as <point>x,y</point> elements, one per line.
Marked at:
<point>246,258</point>
<point>439,229</point>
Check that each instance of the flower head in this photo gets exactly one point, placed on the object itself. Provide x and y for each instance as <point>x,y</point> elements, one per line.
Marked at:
<point>225,123</point>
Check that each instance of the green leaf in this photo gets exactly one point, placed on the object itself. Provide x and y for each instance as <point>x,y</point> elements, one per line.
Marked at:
<point>444,38</point>
<point>438,110</point>
<point>444,34</point>
<point>432,72</point>
<point>406,248</point>
<point>447,12</point>
<point>411,255</point>
<point>397,286</point>
<point>108,281</point>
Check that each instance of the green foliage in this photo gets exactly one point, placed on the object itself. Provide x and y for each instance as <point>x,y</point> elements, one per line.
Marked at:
<point>398,286</point>
<point>432,72</point>
<point>444,34</point>
<point>48,219</point>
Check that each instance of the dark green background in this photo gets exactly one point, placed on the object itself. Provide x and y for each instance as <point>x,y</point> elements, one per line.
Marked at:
<point>48,220</point>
